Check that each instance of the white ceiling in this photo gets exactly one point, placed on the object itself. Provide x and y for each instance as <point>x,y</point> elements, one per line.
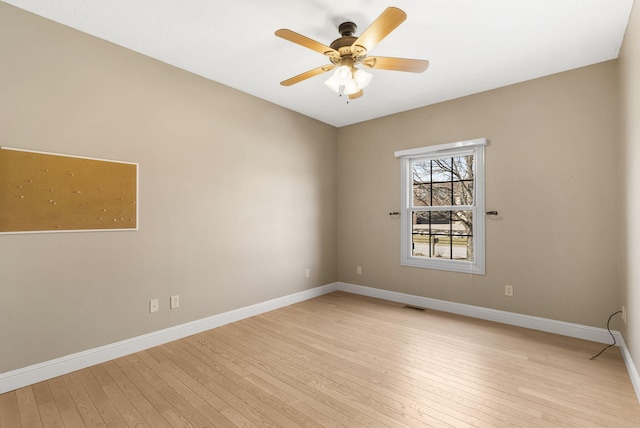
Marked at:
<point>472,45</point>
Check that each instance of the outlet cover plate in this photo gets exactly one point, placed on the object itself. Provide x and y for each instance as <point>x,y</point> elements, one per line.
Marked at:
<point>174,302</point>
<point>508,290</point>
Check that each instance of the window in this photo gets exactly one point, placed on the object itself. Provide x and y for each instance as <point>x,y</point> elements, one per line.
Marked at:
<point>442,215</point>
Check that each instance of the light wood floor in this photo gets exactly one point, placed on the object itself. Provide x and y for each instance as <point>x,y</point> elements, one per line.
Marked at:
<point>343,360</point>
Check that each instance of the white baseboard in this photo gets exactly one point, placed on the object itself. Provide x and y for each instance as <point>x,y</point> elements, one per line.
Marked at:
<point>49,369</point>
<point>631,368</point>
<point>579,331</point>
<point>535,323</point>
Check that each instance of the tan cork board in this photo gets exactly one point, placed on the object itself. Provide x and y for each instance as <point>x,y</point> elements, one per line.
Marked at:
<point>47,192</point>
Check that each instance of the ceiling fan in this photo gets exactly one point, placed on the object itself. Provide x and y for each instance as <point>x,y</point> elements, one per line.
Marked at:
<point>348,51</point>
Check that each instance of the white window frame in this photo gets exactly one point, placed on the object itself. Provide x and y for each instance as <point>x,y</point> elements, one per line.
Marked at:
<point>460,148</point>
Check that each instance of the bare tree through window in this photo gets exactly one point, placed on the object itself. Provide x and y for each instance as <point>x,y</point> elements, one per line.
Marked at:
<point>443,192</point>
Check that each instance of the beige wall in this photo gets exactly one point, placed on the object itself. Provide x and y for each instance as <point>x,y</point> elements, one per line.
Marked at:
<point>237,196</point>
<point>630,95</point>
<point>551,172</point>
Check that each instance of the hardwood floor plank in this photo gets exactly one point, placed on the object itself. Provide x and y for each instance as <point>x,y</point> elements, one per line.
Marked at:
<point>233,417</point>
<point>124,407</point>
<point>150,392</point>
<point>29,414</point>
<point>342,360</point>
<point>141,404</point>
<point>9,411</point>
<point>88,411</point>
<point>66,407</point>
<point>47,408</point>
<point>101,400</point>
<point>194,400</point>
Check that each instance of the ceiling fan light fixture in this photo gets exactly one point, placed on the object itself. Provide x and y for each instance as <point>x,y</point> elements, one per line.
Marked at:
<point>339,79</point>
<point>347,80</point>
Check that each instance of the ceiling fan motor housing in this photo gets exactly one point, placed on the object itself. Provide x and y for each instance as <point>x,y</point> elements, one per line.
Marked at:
<point>344,44</point>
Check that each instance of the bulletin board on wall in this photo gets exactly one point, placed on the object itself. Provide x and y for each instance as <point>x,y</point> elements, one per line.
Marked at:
<point>48,192</point>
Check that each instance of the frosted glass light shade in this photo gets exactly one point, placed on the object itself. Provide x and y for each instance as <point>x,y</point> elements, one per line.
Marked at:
<point>332,83</point>
<point>362,78</point>
<point>351,87</point>
<point>343,75</point>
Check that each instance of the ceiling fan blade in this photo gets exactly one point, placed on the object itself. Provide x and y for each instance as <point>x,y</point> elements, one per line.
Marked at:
<point>356,95</point>
<point>301,40</point>
<point>396,64</point>
<point>379,29</point>
<point>307,75</point>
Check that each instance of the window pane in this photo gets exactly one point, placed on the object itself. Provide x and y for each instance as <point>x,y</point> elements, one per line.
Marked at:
<point>440,222</point>
<point>421,183</point>
<point>421,218</point>
<point>463,167</point>
<point>420,235</point>
<point>422,170</point>
<point>441,194</point>
<point>462,248</point>
<point>441,248</point>
<point>462,235</point>
<point>421,194</point>
<point>441,169</point>
<point>463,193</point>
<point>462,222</point>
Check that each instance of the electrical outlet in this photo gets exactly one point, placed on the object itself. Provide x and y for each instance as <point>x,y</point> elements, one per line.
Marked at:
<point>359,270</point>
<point>508,290</point>
<point>154,305</point>
<point>174,302</point>
<point>624,314</point>
<point>307,273</point>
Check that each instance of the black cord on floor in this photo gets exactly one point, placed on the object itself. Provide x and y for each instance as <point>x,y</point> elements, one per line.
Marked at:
<point>612,336</point>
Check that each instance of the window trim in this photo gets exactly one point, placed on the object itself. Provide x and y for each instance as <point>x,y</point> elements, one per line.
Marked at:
<point>475,146</point>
